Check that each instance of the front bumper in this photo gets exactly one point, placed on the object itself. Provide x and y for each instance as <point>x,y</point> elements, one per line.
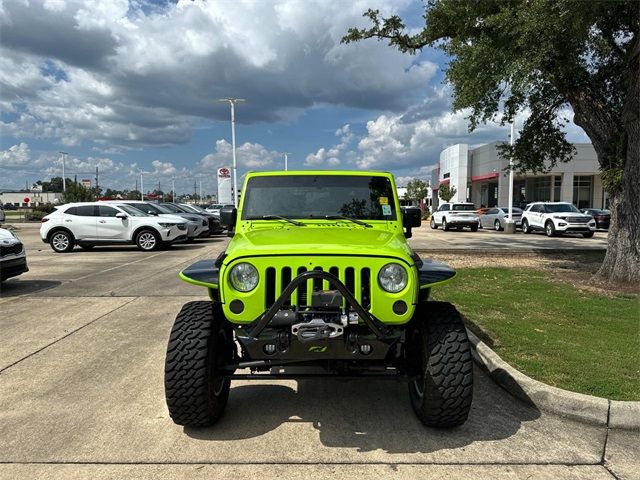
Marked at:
<point>11,267</point>
<point>566,227</point>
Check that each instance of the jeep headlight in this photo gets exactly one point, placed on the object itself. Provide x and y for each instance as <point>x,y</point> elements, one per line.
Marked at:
<point>244,277</point>
<point>393,277</point>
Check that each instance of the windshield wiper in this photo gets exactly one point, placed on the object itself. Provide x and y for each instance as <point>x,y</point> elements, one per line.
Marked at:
<point>278,217</point>
<point>342,217</point>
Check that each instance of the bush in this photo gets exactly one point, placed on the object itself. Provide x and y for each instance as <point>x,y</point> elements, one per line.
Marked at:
<point>34,215</point>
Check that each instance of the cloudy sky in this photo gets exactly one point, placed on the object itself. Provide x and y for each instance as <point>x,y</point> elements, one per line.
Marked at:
<point>130,85</point>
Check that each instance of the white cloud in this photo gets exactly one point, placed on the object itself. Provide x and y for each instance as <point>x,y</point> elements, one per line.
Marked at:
<point>331,156</point>
<point>163,168</point>
<point>16,155</point>
<point>248,155</point>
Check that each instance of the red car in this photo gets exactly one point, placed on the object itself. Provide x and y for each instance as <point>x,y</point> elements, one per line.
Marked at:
<point>602,217</point>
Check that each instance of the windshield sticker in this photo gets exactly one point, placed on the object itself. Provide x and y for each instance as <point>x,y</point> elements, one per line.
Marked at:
<point>383,201</point>
<point>386,210</point>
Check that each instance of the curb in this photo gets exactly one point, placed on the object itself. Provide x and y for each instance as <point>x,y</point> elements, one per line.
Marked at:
<point>576,406</point>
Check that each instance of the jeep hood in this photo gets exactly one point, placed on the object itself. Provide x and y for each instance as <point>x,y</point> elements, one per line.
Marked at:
<point>319,240</point>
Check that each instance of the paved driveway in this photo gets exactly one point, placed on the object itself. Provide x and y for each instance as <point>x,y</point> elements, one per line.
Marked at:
<point>81,396</point>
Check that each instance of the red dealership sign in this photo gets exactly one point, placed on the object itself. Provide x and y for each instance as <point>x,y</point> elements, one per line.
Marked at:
<point>224,172</point>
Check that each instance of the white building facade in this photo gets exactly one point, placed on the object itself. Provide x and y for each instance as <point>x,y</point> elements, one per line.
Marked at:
<point>35,198</point>
<point>479,175</point>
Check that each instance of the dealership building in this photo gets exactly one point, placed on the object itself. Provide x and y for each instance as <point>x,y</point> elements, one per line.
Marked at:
<point>479,176</point>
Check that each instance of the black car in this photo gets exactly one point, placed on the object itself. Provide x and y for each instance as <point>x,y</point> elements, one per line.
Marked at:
<point>602,217</point>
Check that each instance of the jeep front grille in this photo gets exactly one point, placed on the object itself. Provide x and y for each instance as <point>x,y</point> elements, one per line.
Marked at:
<point>357,281</point>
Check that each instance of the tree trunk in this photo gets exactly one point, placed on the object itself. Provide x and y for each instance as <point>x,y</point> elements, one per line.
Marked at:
<point>621,264</point>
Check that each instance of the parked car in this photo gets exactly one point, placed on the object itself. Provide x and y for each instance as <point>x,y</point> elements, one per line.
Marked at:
<point>2,215</point>
<point>496,218</point>
<point>13,257</point>
<point>10,206</point>
<point>88,224</point>
<point>213,222</point>
<point>455,215</point>
<point>216,207</point>
<point>556,218</point>
<point>602,217</point>
<point>196,225</point>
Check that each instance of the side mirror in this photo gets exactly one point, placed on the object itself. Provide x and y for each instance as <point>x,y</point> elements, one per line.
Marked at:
<point>228,216</point>
<point>121,215</point>
<point>151,212</point>
<point>411,218</point>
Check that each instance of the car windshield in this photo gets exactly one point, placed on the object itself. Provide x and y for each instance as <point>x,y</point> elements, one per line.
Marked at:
<point>171,208</point>
<point>318,196</point>
<point>161,208</point>
<point>134,212</point>
<point>560,208</point>
<point>463,206</point>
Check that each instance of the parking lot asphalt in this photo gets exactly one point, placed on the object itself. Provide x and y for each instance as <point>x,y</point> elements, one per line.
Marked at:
<point>81,380</point>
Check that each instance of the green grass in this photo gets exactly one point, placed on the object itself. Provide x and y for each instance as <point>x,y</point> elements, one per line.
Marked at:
<point>552,331</point>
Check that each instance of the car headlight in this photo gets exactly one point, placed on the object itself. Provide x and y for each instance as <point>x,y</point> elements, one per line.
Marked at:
<point>244,277</point>
<point>393,277</point>
<point>167,225</point>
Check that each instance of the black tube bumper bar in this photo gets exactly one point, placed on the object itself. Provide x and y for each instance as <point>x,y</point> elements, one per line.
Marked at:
<point>377,327</point>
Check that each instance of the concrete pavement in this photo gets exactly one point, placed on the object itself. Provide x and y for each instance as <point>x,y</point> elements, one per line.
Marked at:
<point>81,360</point>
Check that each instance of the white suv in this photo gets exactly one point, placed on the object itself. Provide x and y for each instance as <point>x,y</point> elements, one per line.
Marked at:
<point>556,218</point>
<point>13,258</point>
<point>455,215</point>
<point>94,223</point>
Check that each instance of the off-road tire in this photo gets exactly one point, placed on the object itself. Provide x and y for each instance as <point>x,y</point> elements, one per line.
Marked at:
<point>61,241</point>
<point>141,240</point>
<point>438,350</point>
<point>587,234</point>
<point>550,229</point>
<point>525,226</point>
<point>433,224</point>
<point>196,390</point>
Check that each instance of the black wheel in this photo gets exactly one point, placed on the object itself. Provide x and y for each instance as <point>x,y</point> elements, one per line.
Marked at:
<point>61,241</point>
<point>445,227</point>
<point>497,226</point>
<point>147,240</point>
<point>525,226</point>
<point>438,349</point>
<point>86,247</point>
<point>195,388</point>
<point>474,228</point>
<point>550,229</point>
<point>433,224</point>
<point>587,235</point>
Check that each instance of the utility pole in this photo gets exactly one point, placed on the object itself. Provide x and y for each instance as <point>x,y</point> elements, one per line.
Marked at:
<point>195,190</point>
<point>97,187</point>
<point>286,160</point>
<point>141,187</point>
<point>232,102</point>
<point>200,192</point>
<point>64,179</point>
<point>173,190</point>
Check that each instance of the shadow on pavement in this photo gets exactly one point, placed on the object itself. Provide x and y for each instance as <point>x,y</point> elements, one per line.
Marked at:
<point>363,414</point>
<point>15,287</point>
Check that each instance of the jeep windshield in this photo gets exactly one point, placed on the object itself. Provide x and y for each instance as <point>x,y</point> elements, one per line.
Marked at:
<point>318,197</point>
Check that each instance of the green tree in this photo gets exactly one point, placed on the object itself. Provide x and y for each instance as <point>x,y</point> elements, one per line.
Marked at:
<point>446,193</point>
<point>416,190</point>
<point>546,57</point>
<point>75,192</point>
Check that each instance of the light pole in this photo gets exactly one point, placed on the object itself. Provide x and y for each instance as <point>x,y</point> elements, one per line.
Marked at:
<point>64,181</point>
<point>286,160</point>
<point>141,187</point>
<point>510,226</point>
<point>232,102</point>
<point>173,190</point>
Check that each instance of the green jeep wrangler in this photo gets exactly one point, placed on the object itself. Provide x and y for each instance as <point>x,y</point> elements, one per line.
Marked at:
<point>318,281</point>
